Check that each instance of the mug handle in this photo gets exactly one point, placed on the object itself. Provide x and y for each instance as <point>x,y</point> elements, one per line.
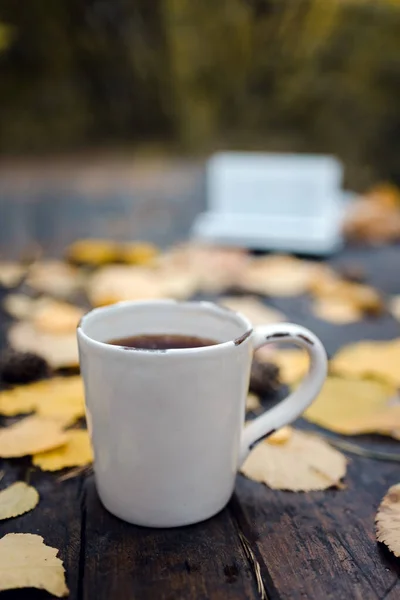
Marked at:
<point>295,404</point>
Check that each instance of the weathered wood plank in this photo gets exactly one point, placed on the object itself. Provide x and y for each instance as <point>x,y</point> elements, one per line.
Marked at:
<point>57,518</point>
<point>201,562</point>
<point>321,544</point>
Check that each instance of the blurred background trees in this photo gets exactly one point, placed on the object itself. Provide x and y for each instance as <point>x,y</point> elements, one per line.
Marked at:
<point>196,75</point>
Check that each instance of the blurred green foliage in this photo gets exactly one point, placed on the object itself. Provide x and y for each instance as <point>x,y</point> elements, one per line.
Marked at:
<point>299,75</point>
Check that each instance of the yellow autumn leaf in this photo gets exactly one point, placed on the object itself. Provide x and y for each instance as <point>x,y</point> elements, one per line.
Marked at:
<point>377,359</point>
<point>55,278</point>
<point>252,308</point>
<point>46,315</point>
<point>252,402</point>
<point>138,253</point>
<point>26,562</point>
<point>55,317</point>
<point>17,499</point>
<point>348,406</point>
<point>386,421</point>
<point>337,311</point>
<point>77,452</point>
<point>278,276</point>
<point>64,399</point>
<point>11,273</point>
<point>337,297</point>
<point>293,364</point>
<point>59,349</point>
<point>93,252</point>
<point>115,283</point>
<point>388,520</point>
<point>281,436</point>
<point>60,397</point>
<point>31,435</point>
<point>19,306</point>
<point>302,463</point>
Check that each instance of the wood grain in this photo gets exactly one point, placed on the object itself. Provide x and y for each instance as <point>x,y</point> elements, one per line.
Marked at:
<point>204,561</point>
<point>321,544</point>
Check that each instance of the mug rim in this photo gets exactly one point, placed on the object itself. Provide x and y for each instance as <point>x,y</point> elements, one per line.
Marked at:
<point>203,304</point>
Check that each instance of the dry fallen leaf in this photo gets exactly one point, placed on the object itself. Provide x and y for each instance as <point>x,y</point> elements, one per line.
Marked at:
<point>350,406</point>
<point>252,308</point>
<point>278,276</point>
<point>179,284</point>
<point>388,520</point>
<point>26,562</point>
<point>334,310</point>
<point>386,421</point>
<point>93,252</point>
<point>64,400</point>
<point>138,253</point>
<point>369,359</point>
<point>252,402</point>
<point>55,278</point>
<point>293,363</point>
<point>303,463</point>
<point>60,397</point>
<point>11,273</point>
<point>122,282</point>
<point>77,452</point>
<point>353,299</point>
<point>281,436</point>
<point>17,499</point>
<point>341,301</point>
<point>366,298</point>
<point>31,435</point>
<point>60,350</point>
<point>19,306</point>
<point>46,314</point>
<point>374,219</point>
<point>55,317</point>
<point>214,269</point>
<point>23,398</point>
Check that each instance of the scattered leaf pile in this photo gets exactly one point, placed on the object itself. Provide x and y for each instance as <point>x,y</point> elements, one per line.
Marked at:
<point>58,398</point>
<point>105,272</point>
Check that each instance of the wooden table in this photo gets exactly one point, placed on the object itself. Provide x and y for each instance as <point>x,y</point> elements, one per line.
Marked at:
<point>265,544</point>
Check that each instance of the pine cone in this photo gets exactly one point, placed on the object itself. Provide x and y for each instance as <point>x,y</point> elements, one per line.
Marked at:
<point>22,367</point>
<point>264,378</point>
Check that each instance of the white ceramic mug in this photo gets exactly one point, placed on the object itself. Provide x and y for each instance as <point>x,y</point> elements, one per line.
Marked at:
<point>167,426</point>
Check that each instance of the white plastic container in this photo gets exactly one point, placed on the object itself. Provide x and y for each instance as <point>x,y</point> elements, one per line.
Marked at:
<point>285,202</point>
